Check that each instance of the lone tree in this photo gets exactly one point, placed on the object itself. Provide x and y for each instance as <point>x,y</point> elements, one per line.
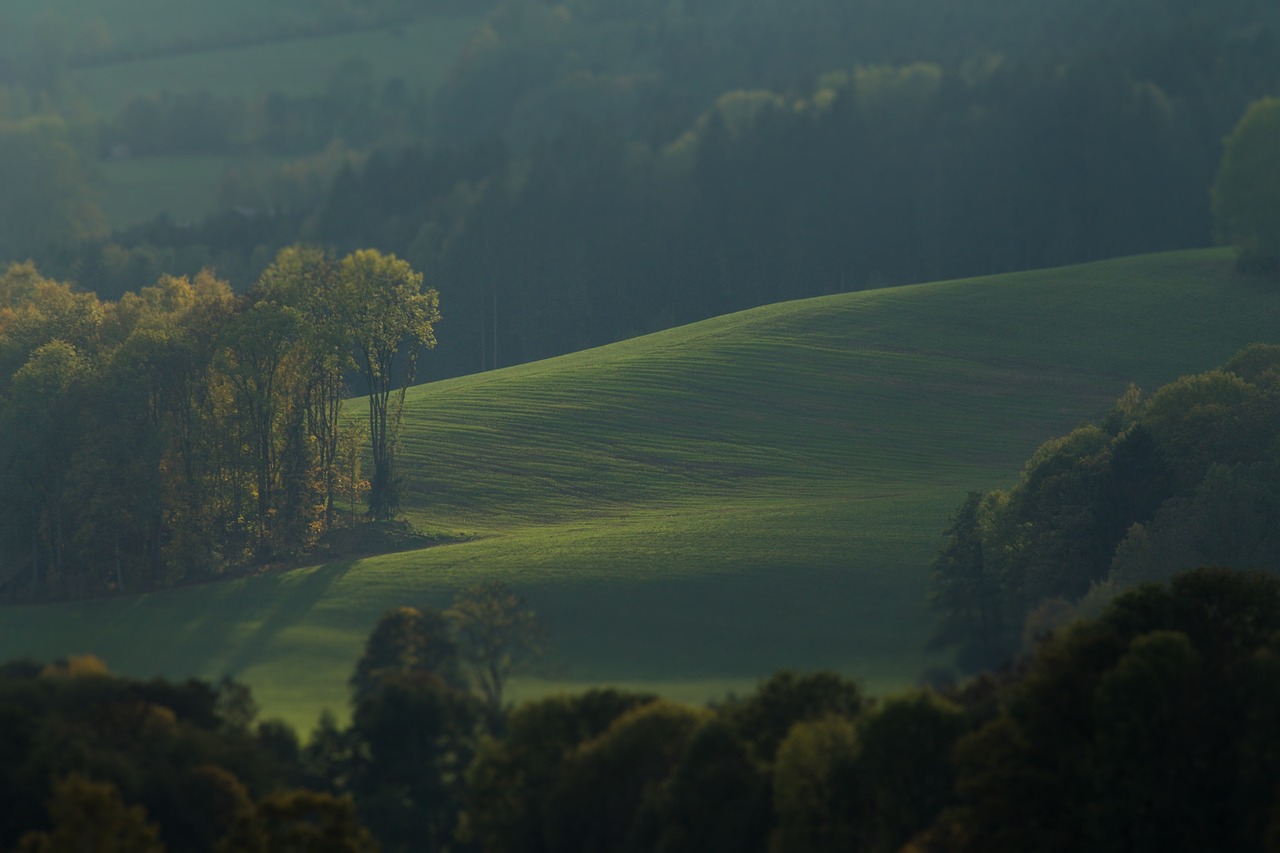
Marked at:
<point>496,635</point>
<point>392,319</point>
<point>1246,193</point>
<point>408,640</point>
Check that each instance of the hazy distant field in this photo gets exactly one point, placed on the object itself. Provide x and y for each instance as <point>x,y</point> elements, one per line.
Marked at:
<point>143,23</point>
<point>137,190</point>
<point>420,53</point>
<point>696,508</point>
<point>186,187</point>
<point>154,23</point>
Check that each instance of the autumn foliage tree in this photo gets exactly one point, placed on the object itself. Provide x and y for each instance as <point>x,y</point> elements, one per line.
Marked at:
<point>182,430</point>
<point>390,319</point>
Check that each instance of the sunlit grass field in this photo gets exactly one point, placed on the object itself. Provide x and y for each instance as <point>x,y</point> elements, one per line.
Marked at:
<point>696,508</point>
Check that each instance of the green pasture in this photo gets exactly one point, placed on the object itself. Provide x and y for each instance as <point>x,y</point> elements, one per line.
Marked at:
<point>421,53</point>
<point>74,28</point>
<point>144,22</point>
<point>136,190</point>
<point>696,508</point>
<point>186,187</point>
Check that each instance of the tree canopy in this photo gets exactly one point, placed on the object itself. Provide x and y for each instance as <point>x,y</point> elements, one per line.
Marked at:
<point>181,431</point>
<point>1246,193</point>
<point>1184,477</point>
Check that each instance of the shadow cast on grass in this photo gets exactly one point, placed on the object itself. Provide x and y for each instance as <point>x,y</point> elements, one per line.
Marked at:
<point>276,602</point>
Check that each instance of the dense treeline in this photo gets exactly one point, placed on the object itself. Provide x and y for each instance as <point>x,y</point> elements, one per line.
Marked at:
<point>183,430</point>
<point>1150,727</point>
<point>656,66</point>
<point>190,754</point>
<point>596,171</point>
<point>1187,476</point>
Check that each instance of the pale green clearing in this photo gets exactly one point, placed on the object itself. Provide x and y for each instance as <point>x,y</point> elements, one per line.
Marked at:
<point>148,22</point>
<point>136,190</point>
<point>185,188</point>
<point>694,509</point>
<point>421,54</point>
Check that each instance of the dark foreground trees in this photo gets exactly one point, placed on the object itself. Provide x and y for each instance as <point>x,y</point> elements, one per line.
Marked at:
<point>96,762</point>
<point>1151,727</point>
<point>1154,726</point>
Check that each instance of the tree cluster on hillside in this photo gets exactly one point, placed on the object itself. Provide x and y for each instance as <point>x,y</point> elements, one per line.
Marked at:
<point>1150,727</point>
<point>182,430</point>
<point>1187,476</point>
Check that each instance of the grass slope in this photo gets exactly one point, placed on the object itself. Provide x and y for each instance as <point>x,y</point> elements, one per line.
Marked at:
<point>695,508</point>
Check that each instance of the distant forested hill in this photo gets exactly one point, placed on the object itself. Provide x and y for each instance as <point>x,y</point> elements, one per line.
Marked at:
<point>589,170</point>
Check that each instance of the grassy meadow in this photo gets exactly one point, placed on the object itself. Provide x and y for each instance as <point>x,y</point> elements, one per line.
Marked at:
<point>135,190</point>
<point>693,509</point>
<point>420,53</point>
<point>141,22</point>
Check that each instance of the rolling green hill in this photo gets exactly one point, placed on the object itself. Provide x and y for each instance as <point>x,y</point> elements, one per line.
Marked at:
<point>699,507</point>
